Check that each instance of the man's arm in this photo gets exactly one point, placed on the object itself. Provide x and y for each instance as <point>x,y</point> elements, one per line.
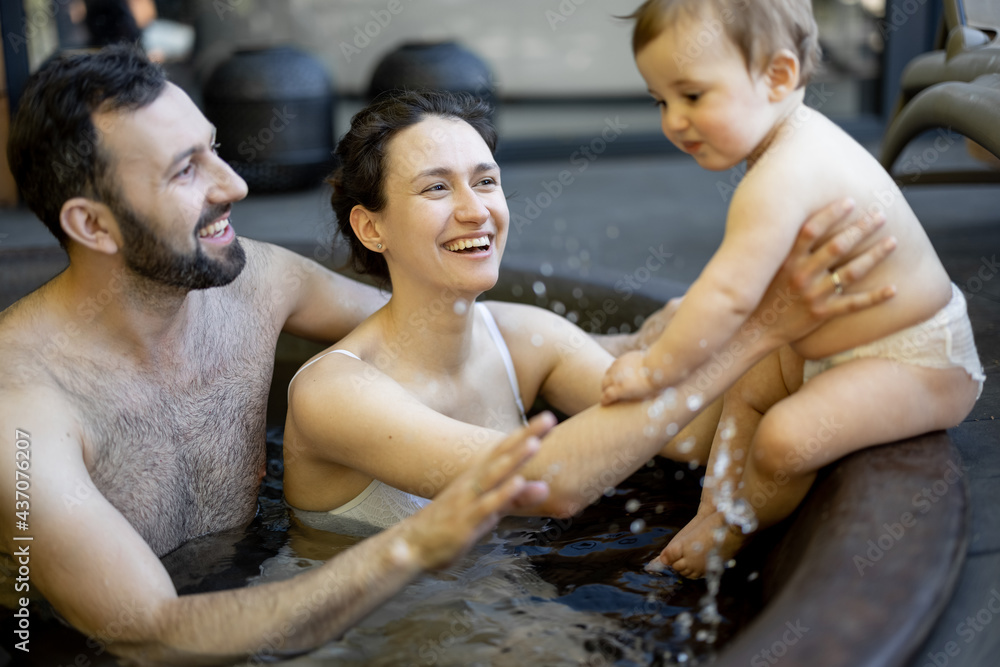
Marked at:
<point>96,570</point>
<point>312,301</point>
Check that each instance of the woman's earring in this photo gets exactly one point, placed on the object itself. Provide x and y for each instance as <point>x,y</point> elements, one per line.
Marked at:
<point>379,246</point>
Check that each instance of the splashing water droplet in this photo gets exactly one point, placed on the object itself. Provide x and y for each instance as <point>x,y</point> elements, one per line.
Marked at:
<point>686,445</point>
<point>538,287</point>
<point>752,576</point>
<point>538,340</point>
<point>655,409</point>
<point>573,316</point>
<point>728,430</point>
<point>682,626</point>
<point>672,429</point>
<point>558,307</point>
<point>679,475</point>
<point>546,269</point>
<point>649,431</point>
<point>655,565</point>
<point>669,398</point>
<point>659,509</point>
<point>632,505</point>
<point>577,293</point>
<point>637,526</point>
<point>694,403</point>
<point>609,491</point>
<point>517,290</point>
<point>703,343</point>
<point>461,307</point>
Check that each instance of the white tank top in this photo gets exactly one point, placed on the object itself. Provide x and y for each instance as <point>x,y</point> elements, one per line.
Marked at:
<point>381,505</point>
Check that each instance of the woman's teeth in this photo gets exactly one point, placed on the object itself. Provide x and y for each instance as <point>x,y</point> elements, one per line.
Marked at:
<point>215,229</point>
<point>464,244</point>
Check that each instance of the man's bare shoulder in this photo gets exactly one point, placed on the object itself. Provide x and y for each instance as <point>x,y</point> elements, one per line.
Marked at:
<point>28,388</point>
<point>262,276</point>
<point>31,331</point>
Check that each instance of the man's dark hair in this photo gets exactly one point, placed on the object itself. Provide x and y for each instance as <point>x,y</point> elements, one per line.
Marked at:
<point>53,148</point>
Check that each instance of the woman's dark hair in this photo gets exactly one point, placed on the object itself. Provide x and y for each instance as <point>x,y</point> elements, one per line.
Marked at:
<point>363,155</point>
<point>53,149</point>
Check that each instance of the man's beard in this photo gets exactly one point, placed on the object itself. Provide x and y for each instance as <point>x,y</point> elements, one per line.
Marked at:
<point>147,255</point>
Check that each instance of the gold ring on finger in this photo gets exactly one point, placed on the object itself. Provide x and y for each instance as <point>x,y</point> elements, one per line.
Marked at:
<point>838,285</point>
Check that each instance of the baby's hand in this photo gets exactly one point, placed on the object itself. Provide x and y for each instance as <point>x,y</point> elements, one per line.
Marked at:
<point>627,379</point>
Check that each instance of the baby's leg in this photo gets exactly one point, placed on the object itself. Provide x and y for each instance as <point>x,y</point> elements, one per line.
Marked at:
<point>771,380</point>
<point>693,442</point>
<point>855,405</point>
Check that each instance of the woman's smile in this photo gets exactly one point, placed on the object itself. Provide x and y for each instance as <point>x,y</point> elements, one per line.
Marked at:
<point>476,245</point>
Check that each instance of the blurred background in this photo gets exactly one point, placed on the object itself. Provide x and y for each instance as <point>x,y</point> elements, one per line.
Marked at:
<point>281,79</point>
<point>555,65</point>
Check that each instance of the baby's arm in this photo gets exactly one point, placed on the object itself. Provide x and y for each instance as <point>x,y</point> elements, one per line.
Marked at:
<point>761,226</point>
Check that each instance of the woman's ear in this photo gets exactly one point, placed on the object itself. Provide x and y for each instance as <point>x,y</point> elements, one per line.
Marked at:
<point>782,75</point>
<point>366,228</point>
<point>90,224</point>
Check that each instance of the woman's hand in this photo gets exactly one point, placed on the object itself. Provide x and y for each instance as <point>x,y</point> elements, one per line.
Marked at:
<point>805,290</point>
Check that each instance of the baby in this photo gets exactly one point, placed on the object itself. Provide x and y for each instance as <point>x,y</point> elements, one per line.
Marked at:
<point>729,78</point>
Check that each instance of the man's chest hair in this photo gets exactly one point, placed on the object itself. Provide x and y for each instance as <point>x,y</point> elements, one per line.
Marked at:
<point>177,447</point>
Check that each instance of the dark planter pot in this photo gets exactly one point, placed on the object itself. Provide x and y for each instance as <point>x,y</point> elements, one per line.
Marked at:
<point>434,66</point>
<point>273,110</point>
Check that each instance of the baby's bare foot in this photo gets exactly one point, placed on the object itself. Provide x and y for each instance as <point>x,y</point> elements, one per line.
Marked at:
<point>688,552</point>
<point>674,548</point>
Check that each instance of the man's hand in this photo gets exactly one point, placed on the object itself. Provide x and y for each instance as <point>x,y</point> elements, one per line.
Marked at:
<point>475,500</point>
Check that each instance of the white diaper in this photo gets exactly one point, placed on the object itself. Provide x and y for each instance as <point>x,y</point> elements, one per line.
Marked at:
<point>943,341</point>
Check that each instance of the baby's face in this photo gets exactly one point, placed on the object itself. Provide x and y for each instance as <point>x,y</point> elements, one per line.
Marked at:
<point>711,106</point>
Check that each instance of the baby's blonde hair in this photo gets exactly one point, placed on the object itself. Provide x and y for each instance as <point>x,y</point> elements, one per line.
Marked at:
<point>758,28</point>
